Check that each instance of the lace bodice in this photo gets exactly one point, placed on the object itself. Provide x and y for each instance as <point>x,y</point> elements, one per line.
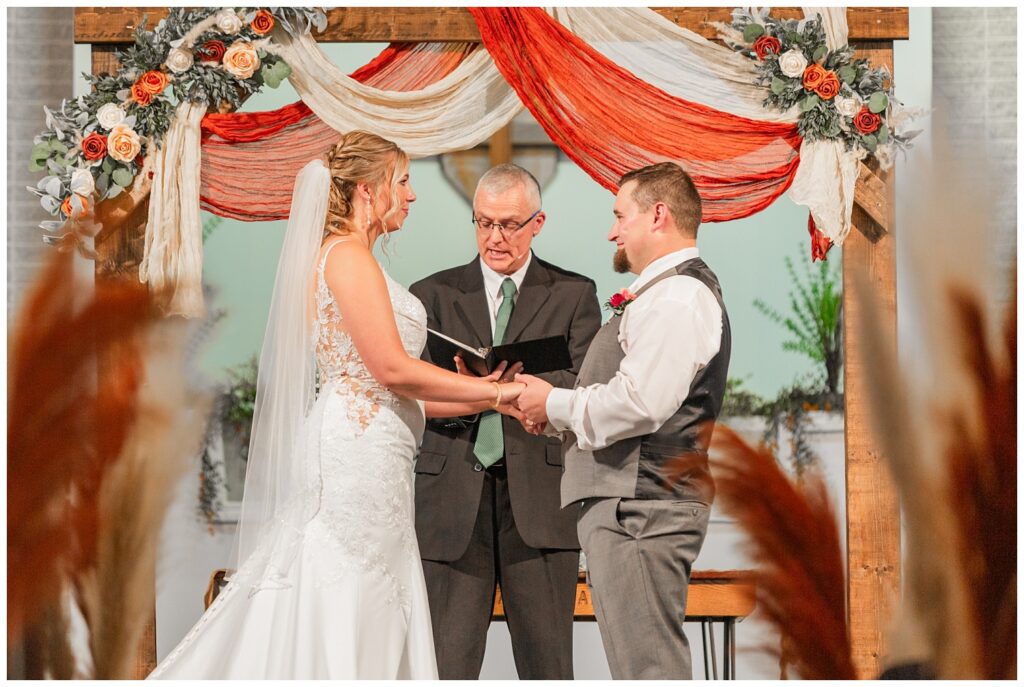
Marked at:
<point>339,364</point>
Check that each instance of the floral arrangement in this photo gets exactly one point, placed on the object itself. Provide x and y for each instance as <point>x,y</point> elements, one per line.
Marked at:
<point>95,145</point>
<point>839,97</point>
<point>619,300</point>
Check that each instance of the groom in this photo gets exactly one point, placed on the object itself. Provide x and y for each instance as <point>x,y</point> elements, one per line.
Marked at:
<point>638,423</point>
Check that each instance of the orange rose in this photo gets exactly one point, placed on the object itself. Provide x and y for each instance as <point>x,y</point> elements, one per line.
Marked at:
<point>263,22</point>
<point>766,45</point>
<point>813,76</point>
<point>866,121</point>
<point>829,86</point>
<point>153,81</point>
<point>68,209</point>
<point>141,95</point>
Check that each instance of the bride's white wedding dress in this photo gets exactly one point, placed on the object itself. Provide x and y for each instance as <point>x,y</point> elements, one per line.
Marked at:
<point>348,598</point>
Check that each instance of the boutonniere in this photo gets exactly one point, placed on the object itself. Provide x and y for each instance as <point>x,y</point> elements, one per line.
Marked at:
<point>618,302</point>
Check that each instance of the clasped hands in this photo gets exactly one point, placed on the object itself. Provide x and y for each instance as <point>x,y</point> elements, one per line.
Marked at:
<point>524,397</point>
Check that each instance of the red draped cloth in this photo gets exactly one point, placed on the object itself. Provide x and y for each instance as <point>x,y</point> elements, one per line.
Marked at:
<point>609,121</point>
<point>250,159</point>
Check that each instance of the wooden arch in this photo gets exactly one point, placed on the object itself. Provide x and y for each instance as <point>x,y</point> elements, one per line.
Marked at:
<point>873,516</point>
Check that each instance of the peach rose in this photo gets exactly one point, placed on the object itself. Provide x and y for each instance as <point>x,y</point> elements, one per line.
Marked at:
<point>813,76</point>
<point>241,60</point>
<point>123,144</point>
<point>74,205</point>
<point>829,86</point>
<point>263,22</point>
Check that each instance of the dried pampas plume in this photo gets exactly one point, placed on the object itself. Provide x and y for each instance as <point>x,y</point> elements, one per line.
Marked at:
<point>792,536</point>
<point>945,417</point>
<point>99,425</point>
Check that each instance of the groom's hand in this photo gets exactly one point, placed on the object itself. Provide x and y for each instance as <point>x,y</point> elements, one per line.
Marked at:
<point>533,401</point>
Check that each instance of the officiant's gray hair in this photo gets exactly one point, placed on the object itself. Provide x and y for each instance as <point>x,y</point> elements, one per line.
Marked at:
<point>503,177</point>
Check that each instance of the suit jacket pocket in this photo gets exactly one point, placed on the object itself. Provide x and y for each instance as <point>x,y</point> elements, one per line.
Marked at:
<point>430,463</point>
<point>553,453</point>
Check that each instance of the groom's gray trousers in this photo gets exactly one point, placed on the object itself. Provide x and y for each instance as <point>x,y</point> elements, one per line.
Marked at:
<point>639,556</point>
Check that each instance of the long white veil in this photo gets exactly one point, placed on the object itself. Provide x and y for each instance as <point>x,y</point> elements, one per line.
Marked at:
<point>282,480</point>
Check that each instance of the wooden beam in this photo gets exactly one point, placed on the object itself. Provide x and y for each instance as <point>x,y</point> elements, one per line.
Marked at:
<point>99,25</point>
<point>872,506</point>
<point>871,196</point>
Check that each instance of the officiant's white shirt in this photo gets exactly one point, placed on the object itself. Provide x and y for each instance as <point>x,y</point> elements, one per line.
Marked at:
<point>492,286</point>
<point>668,334</point>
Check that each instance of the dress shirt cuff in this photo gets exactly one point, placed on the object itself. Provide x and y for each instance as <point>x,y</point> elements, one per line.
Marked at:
<point>558,409</point>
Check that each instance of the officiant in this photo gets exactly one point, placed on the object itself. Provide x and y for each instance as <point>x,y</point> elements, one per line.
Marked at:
<point>487,492</point>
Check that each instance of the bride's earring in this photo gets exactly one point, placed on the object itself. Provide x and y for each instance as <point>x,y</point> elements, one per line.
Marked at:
<point>368,204</point>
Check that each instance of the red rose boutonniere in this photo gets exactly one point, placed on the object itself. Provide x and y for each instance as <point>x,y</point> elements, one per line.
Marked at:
<point>618,302</point>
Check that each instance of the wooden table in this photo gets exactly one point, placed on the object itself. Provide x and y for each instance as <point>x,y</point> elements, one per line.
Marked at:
<point>715,596</point>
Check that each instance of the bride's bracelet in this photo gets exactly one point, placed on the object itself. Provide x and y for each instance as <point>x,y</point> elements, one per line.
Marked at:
<point>497,397</point>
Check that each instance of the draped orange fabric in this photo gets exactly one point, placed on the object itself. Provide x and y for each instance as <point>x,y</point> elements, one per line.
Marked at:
<point>609,121</point>
<point>250,159</point>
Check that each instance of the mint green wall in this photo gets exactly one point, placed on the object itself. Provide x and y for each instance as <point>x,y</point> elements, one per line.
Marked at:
<point>240,258</point>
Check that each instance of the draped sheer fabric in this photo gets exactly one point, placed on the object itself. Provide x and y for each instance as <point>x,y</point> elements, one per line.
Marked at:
<point>614,88</point>
<point>610,121</point>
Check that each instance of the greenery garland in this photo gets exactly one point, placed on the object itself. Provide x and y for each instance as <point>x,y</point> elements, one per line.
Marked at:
<point>93,146</point>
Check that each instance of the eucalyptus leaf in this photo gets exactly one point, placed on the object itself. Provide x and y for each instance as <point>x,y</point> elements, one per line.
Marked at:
<point>778,85</point>
<point>809,103</point>
<point>114,191</point>
<point>751,32</point>
<point>102,184</point>
<point>870,142</point>
<point>883,134</point>
<point>820,53</point>
<point>57,146</point>
<point>878,102</point>
<point>122,177</point>
<point>847,74</point>
<point>50,204</point>
<point>108,165</point>
<point>40,152</point>
<point>35,165</point>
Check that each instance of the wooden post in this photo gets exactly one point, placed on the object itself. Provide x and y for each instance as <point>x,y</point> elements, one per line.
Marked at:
<point>872,507</point>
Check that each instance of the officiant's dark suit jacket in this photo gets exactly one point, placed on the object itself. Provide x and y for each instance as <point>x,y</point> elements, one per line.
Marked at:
<point>552,301</point>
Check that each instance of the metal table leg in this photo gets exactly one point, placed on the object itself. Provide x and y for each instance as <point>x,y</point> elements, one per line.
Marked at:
<point>704,641</point>
<point>714,655</point>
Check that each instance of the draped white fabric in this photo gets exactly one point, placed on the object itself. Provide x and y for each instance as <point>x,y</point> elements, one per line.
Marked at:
<point>826,179</point>
<point>461,110</point>
<point>172,262</point>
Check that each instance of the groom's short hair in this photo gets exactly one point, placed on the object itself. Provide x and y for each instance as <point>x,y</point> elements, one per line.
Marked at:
<point>668,183</point>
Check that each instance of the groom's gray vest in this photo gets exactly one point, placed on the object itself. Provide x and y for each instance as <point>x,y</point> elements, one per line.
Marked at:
<point>671,462</point>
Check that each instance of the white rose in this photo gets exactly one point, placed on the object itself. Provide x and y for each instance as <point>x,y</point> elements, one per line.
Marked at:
<point>82,183</point>
<point>179,60</point>
<point>110,115</point>
<point>792,62</point>
<point>229,22</point>
<point>241,60</point>
<point>847,107</point>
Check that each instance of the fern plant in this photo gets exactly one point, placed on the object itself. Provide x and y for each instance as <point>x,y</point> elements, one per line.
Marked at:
<point>815,320</point>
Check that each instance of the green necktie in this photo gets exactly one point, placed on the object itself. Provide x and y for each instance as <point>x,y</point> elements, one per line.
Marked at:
<point>490,441</point>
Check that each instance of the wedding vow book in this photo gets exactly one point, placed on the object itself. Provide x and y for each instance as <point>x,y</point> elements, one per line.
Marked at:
<point>537,355</point>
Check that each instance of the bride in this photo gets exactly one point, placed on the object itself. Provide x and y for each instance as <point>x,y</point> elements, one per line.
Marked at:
<point>328,580</point>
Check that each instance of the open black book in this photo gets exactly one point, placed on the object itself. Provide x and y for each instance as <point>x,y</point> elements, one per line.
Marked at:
<point>537,355</point>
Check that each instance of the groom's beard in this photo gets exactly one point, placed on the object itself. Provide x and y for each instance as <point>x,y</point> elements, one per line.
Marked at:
<point>620,263</point>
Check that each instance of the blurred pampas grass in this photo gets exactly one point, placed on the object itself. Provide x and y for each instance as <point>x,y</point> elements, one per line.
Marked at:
<point>945,417</point>
<point>100,426</point>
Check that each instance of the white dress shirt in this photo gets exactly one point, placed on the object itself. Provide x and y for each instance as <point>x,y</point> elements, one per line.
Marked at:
<point>668,334</point>
<point>492,286</point>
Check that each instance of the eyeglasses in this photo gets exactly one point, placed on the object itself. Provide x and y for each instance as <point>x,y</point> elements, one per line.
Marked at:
<point>507,231</point>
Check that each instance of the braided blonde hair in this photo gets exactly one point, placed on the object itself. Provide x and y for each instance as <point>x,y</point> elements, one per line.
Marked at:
<point>362,157</point>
